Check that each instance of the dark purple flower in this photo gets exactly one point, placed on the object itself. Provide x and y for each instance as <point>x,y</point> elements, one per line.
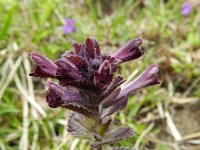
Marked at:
<point>89,87</point>
<point>186,8</point>
<point>44,67</point>
<point>129,51</point>
<point>149,77</point>
<point>69,26</point>
<point>59,96</point>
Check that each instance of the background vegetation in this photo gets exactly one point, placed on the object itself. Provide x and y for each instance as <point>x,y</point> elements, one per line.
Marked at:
<point>163,117</point>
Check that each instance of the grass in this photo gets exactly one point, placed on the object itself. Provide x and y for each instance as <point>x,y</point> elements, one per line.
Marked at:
<point>171,40</point>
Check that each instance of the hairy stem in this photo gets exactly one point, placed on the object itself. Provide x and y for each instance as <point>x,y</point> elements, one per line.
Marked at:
<point>99,148</point>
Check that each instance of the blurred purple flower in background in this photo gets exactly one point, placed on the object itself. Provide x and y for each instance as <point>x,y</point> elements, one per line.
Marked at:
<point>186,8</point>
<point>69,26</point>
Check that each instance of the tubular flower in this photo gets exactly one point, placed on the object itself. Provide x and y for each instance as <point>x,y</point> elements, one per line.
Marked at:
<point>44,67</point>
<point>129,51</point>
<point>148,78</point>
<point>89,86</point>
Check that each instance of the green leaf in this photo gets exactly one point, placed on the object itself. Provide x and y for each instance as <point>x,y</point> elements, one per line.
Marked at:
<point>6,25</point>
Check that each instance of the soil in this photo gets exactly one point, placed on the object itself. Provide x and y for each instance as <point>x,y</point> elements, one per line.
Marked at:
<point>187,121</point>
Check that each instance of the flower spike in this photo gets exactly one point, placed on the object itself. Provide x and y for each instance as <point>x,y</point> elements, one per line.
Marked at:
<point>89,86</point>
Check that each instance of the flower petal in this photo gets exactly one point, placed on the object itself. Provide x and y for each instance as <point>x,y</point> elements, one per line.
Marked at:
<point>58,96</point>
<point>69,26</point>
<point>77,46</point>
<point>78,61</point>
<point>96,46</point>
<point>148,78</point>
<point>67,70</point>
<point>104,75</point>
<point>44,67</point>
<point>116,82</point>
<point>186,8</point>
<point>116,106</point>
<point>111,98</point>
<point>129,51</point>
<point>86,85</point>
<point>89,48</point>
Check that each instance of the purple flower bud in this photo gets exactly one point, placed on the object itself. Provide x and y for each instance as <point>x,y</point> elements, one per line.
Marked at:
<point>44,67</point>
<point>148,78</point>
<point>104,75</point>
<point>89,47</point>
<point>77,46</point>
<point>92,47</point>
<point>69,26</point>
<point>186,8</point>
<point>129,51</point>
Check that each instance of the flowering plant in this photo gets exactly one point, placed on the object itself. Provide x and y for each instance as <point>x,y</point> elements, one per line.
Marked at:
<point>89,86</point>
